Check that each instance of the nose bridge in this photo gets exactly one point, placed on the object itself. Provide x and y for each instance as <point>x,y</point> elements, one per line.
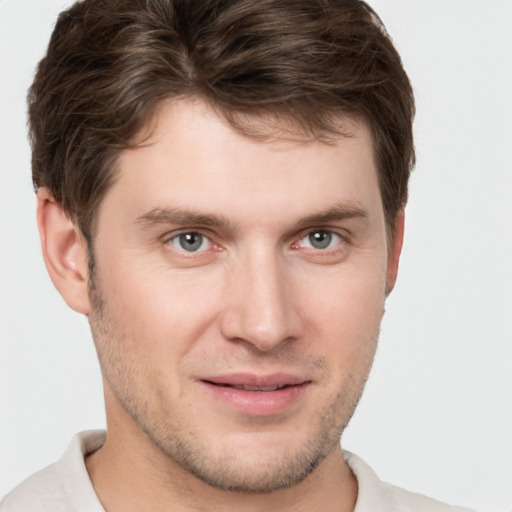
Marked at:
<point>262,312</point>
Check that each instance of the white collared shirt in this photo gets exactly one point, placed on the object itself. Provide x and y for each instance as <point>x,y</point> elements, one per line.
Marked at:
<point>65,486</point>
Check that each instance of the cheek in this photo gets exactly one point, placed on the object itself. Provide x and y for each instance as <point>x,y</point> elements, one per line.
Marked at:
<point>346,316</point>
<point>347,300</point>
<point>160,309</point>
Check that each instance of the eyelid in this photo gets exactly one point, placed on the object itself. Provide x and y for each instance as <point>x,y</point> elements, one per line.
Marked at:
<point>170,236</point>
<point>183,231</point>
<point>343,235</point>
<point>334,238</point>
<point>179,242</point>
<point>343,238</point>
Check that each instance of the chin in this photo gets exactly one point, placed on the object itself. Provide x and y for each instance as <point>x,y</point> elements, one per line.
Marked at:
<point>255,462</point>
<point>235,473</point>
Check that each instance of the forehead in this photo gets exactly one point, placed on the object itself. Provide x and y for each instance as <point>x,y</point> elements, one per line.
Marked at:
<point>192,157</point>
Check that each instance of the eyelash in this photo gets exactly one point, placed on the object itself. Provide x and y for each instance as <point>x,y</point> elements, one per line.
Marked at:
<point>330,236</point>
<point>296,245</point>
<point>205,238</point>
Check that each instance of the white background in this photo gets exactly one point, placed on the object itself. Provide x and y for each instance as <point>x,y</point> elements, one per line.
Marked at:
<point>437,413</point>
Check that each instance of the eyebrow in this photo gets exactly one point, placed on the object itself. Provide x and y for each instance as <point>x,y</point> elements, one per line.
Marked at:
<point>186,217</point>
<point>336,213</point>
<point>181,216</point>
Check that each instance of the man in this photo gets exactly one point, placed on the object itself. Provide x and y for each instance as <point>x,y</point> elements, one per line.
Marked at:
<point>220,191</point>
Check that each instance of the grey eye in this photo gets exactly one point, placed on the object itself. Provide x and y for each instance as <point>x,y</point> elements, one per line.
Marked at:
<point>190,242</point>
<point>321,239</point>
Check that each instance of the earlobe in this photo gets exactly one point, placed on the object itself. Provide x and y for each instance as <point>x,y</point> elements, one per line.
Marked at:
<point>395,250</point>
<point>64,251</point>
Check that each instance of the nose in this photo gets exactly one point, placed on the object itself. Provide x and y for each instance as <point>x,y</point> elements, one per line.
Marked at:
<point>261,305</point>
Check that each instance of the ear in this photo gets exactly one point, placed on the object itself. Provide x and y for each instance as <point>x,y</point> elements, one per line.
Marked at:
<point>394,251</point>
<point>64,252</point>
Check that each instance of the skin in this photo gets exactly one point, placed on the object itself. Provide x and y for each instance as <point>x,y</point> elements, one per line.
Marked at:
<point>258,297</point>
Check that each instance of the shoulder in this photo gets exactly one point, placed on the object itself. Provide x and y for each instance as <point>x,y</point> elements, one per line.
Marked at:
<point>374,494</point>
<point>410,501</point>
<point>35,491</point>
<point>61,487</point>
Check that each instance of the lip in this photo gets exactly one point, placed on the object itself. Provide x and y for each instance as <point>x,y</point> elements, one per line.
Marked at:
<point>257,395</point>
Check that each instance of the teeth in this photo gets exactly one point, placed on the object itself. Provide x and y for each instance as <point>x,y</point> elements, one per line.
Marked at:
<point>257,388</point>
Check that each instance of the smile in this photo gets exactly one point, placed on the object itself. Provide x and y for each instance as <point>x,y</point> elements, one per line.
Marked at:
<point>252,388</point>
<point>257,395</point>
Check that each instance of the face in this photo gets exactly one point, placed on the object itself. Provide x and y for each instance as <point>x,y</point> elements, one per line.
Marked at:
<point>237,295</point>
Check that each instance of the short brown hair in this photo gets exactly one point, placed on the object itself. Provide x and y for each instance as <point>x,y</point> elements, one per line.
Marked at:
<point>109,63</point>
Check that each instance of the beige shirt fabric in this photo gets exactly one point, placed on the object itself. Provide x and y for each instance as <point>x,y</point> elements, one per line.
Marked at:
<point>65,486</point>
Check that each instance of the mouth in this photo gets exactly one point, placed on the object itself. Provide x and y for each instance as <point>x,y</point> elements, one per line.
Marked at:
<point>257,395</point>
<point>243,387</point>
